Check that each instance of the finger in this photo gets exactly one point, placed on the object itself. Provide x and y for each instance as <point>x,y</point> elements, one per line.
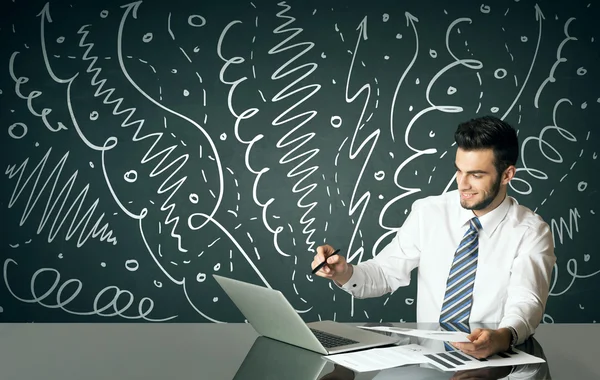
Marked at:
<point>474,334</point>
<point>327,249</point>
<point>333,259</point>
<point>484,338</point>
<point>324,272</point>
<point>326,252</point>
<point>471,353</point>
<point>315,262</point>
<point>479,353</point>
<point>320,256</point>
<point>481,336</point>
<point>474,346</point>
<point>466,347</point>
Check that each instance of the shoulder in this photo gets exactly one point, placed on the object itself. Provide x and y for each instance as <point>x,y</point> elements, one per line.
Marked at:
<point>523,217</point>
<point>437,203</point>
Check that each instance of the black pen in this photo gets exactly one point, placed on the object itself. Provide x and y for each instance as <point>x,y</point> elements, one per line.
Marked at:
<point>318,267</point>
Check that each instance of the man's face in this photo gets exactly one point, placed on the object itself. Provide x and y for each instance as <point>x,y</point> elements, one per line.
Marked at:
<point>476,177</point>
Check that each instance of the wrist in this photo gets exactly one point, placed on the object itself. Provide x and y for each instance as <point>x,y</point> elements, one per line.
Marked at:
<point>345,277</point>
<point>514,337</point>
<point>507,338</point>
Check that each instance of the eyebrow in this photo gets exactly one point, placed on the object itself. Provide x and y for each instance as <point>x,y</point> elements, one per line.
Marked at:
<point>472,171</point>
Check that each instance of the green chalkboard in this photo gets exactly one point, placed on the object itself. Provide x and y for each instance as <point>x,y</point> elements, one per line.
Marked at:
<point>149,145</point>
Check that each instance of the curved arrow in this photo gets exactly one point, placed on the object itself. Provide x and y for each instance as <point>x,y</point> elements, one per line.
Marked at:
<point>410,19</point>
<point>372,139</point>
<point>45,17</point>
<point>538,16</point>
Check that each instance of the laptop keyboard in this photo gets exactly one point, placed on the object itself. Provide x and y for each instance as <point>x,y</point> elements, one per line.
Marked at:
<point>330,340</point>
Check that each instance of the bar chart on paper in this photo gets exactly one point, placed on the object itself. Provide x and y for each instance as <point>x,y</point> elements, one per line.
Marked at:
<point>458,361</point>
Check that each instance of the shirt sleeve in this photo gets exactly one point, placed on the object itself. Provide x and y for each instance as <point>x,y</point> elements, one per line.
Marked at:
<point>529,282</point>
<point>391,267</point>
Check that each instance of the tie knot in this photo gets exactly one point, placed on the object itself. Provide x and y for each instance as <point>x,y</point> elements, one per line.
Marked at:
<point>475,224</point>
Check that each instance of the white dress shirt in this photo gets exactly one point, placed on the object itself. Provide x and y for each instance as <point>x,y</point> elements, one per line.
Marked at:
<point>516,258</point>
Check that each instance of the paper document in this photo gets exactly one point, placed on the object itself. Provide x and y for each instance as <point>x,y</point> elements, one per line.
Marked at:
<point>447,336</point>
<point>376,359</point>
<point>459,361</point>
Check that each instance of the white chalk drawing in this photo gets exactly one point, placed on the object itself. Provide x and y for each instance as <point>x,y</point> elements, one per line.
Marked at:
<point>112,308</point>
<point>17,131</point>
<point>161,145</point>
<point>29,185</point>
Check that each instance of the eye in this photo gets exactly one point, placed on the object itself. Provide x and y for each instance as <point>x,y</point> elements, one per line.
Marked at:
<point>477,176</point>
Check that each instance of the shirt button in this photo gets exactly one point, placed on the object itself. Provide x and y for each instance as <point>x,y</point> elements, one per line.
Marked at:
<point>354,285</point>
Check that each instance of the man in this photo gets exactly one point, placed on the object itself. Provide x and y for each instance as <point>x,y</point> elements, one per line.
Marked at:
<point>482,257</point>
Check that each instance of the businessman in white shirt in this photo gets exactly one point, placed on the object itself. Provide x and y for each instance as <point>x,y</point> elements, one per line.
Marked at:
<point>481,257</point>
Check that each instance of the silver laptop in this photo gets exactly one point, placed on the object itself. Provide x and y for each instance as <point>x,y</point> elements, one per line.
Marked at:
<point>271,315</point>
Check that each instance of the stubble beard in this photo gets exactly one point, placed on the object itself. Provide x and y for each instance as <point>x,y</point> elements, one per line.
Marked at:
<point>487,200</point>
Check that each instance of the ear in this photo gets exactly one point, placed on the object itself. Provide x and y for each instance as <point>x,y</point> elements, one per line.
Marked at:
<point>508,174</point>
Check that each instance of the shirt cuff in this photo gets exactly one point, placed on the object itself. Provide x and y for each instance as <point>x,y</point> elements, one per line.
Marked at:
<point>355,284</point>
<point>519,327</point>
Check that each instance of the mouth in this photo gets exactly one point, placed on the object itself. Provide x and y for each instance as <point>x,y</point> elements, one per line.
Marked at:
<point>467,196</point>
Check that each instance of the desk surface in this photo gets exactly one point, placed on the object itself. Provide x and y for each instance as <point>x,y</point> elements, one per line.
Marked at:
<point>230,351</point>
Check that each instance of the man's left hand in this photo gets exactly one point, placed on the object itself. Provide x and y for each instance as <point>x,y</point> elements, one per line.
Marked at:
<point>485,342</point>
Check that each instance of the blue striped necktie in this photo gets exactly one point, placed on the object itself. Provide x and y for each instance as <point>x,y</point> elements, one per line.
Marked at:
<point>454,326</point>
<point>459,286</point>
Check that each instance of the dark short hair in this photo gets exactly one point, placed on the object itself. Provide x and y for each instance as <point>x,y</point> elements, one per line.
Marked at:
<point>490,132</point>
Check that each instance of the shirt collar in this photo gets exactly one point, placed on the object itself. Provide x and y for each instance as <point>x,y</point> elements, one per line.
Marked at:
<point>491,220</point>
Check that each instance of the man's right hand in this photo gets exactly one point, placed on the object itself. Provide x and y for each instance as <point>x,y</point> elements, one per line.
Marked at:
<point>337,268</point>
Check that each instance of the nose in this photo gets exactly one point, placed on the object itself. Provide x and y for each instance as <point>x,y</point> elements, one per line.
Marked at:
<point>462,181</point>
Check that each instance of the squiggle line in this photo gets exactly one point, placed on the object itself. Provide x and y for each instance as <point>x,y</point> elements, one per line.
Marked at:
<point>111,142</point>
<point>468,63</point>
<point>133,7</point>
<point>100,91</point>
<point>180,282</point>
<point>44,15</point>
<point>536,173</point>
<point>372,139</point>
<point>246,114</point>
<point>474,64</point>
<point>558,227</point>
<point>61,303</point>
<point>300,141</point>
<point>82,224</point>
<point>572,270</point>
<point>559,60</point>
<point>32,95</point>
